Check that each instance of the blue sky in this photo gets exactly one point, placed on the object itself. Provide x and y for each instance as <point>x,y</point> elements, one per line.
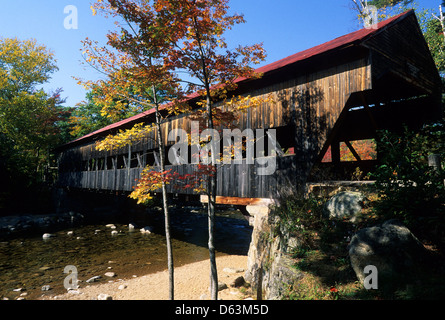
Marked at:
<point>284,26</point>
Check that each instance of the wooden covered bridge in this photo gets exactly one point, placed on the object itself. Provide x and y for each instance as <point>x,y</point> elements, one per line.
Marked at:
<point>338,92</point>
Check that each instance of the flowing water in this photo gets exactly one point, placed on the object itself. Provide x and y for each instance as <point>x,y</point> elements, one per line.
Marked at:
<point>30,263</point>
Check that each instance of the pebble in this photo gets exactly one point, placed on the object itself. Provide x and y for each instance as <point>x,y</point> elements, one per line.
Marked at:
<point>122,287</point>
<point>110,274</point>
<point>45,268</point>
<point>114,232</point>
<point>232,270</point>
<point>221,286</point>
<point>146,230</point>
<point>70,233</point>
<point>238,282</point>
<point>93,279</point>
<point>75,292</point>
<point>47,236</point>
<point>46,288</point>
<point>104,296</point>
<point>112,226</point>
<point>18,290</point>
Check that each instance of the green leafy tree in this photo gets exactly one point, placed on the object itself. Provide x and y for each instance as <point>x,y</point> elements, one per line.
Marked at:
<point>409,188</point>
<point>31,120</point>
<point>87,117</point>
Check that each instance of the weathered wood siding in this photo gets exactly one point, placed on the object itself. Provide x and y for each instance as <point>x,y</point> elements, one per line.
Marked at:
<point>235,180</point>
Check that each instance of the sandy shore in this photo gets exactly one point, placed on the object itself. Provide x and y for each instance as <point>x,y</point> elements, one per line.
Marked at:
<point>191,283</point>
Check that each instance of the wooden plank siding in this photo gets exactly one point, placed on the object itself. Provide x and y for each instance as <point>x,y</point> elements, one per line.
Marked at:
<point>233,180</point>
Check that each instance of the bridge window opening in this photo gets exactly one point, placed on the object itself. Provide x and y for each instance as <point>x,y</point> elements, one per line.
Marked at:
<point>101,164</point>
<point>134,160</point>
<point>286,139</point>
<point>85,165</point>
<point>121,162</point>
<point>150,159</point>
<point>359,150</point>
<point>109,163</point>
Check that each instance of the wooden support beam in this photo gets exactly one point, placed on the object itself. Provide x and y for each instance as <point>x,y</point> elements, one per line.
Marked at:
<point>138,155</point>
<point>335,152</point>
<point>368,110</point>
<point>351,148</point>
<point>239,201</point>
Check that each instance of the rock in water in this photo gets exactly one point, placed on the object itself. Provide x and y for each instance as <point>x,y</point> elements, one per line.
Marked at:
<point>93,279</point>
<point>146,230</point>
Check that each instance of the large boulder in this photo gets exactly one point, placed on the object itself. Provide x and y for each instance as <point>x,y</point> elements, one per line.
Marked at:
<point>390,247</point>
<point>346,204</point>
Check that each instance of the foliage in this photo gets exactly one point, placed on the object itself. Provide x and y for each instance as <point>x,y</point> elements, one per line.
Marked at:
<point>32,121</point>
<point>409,188</point>
<point>152,178</point>
<point>301,217</point>
<point>435,38</point>
<point>385,8</point>
<point>92,114</point>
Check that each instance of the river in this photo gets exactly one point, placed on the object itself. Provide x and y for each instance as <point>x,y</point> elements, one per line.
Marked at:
<point>28,263</point>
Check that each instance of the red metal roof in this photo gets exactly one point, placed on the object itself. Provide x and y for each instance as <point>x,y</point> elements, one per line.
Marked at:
<point>343,41</point>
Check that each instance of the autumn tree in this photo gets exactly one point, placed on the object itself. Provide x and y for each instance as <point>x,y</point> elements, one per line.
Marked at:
<point>162,41</point>
<point>136,78</point>
<point>198,48</point>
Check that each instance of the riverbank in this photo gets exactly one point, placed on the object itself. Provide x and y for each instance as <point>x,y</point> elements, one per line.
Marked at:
<point>30,264</point>
<point>191,283</point>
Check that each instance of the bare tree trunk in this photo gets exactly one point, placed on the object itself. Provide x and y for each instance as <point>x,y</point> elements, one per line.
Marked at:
<point>165,200</point>
<point>211,188</point>
<point>211,212</point>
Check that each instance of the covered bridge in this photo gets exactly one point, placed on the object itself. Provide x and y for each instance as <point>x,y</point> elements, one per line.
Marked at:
<point>338,92</point>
